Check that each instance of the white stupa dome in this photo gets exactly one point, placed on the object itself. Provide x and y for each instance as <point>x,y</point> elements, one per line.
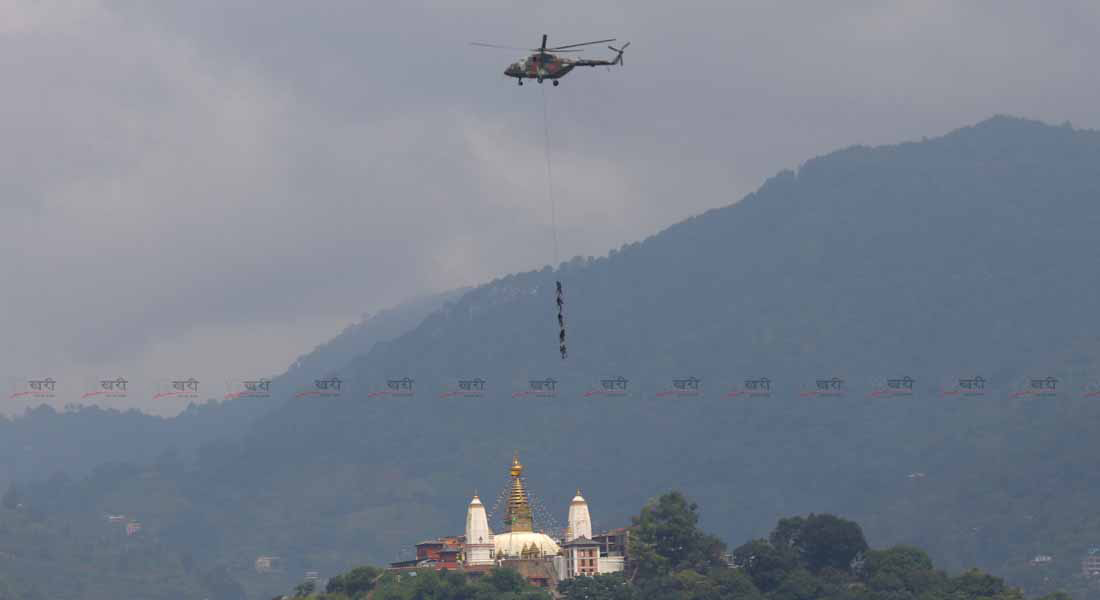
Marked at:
<point>514,543</point>
<point>521,539</point>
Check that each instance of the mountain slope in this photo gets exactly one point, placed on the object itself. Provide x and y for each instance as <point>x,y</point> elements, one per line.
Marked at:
<point>968,254</point>
<point>43,442</point>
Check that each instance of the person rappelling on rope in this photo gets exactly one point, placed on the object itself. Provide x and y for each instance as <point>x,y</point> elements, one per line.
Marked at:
<point>561,321</point>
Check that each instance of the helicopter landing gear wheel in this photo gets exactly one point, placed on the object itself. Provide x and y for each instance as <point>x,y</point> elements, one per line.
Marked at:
<point>540,79</point>
<point>519,81</point>
<point>556,83</point>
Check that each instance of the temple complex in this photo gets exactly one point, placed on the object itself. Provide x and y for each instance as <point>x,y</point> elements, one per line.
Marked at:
<point>538,556</point>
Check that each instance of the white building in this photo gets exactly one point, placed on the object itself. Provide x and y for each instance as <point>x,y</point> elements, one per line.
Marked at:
<point>581,558</point>
<point>268,564</point>
<point>479,547</point>
<point>579,523</point>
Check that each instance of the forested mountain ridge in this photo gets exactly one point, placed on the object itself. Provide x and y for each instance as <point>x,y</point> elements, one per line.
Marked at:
<point>968,254</point>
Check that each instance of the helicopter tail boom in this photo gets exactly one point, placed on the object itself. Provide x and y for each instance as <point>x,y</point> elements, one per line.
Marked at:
<point>618,60</point>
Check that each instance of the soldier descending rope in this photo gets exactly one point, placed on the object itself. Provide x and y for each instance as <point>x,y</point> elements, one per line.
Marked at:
<point>553,224</point>
<point>561,323</point>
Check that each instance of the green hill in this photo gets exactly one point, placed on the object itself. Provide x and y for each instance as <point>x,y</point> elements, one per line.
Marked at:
<point>968,254</point>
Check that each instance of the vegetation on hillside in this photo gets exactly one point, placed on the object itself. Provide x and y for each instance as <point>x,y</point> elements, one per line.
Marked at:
<point>969,254</point>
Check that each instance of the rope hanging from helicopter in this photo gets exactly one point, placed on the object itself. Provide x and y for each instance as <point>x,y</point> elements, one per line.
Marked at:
<point>546,64</point>
<point>560,294</point>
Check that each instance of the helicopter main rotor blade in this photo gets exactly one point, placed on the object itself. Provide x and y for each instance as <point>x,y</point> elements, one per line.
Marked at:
<point>539,50</point>
<point>556,48</point>
<point>483,45</point>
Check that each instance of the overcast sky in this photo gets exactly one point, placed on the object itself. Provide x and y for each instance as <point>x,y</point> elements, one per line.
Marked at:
<point>210,188</point>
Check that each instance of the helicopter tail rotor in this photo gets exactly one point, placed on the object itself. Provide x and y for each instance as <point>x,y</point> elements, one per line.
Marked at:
<point>619,54</point>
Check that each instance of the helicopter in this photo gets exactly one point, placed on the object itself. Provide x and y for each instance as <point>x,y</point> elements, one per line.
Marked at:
<point>545,64</point>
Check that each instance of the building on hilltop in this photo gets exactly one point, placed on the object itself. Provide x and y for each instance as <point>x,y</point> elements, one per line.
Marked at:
<point>479,545</point>
<point>268,564</point>
<point>539,557</point>
<point>1090,565</point>
<point>613,543</point>
<point>580,523</point>
<point>581,556</point>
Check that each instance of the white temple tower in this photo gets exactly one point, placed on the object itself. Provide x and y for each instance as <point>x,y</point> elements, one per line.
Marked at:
<point>479,540</point>
<point>580,523</point>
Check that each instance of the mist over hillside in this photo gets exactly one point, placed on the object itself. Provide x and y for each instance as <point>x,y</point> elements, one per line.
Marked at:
<point>44,442</point>
<point>969,254</point>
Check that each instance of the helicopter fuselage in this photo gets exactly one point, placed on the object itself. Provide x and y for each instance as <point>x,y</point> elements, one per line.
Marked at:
<point>548,66</point>
<point>540,66</point>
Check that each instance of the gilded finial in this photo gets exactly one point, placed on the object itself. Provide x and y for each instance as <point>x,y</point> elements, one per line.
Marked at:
<point>518,512</point>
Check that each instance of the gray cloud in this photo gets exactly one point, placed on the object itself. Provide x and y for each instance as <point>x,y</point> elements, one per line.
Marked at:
<point>223,183</point>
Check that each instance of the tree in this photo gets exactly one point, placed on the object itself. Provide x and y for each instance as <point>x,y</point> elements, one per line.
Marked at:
<point>354,583</point>
<point>734,583</point>
<point>786,532</point>
<point>821,541</point>
<point>799,584</point>
<point>504,580</point>
<point>765,564</point>
<point>1056,596</point>
<point>665,537</point>
<point>498,584</point>
<point>613,586</point>
<point>974,584</point>
<point>900,569</point>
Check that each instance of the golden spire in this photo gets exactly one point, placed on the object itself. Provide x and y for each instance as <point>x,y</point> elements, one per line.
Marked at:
<point>518,516</point>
